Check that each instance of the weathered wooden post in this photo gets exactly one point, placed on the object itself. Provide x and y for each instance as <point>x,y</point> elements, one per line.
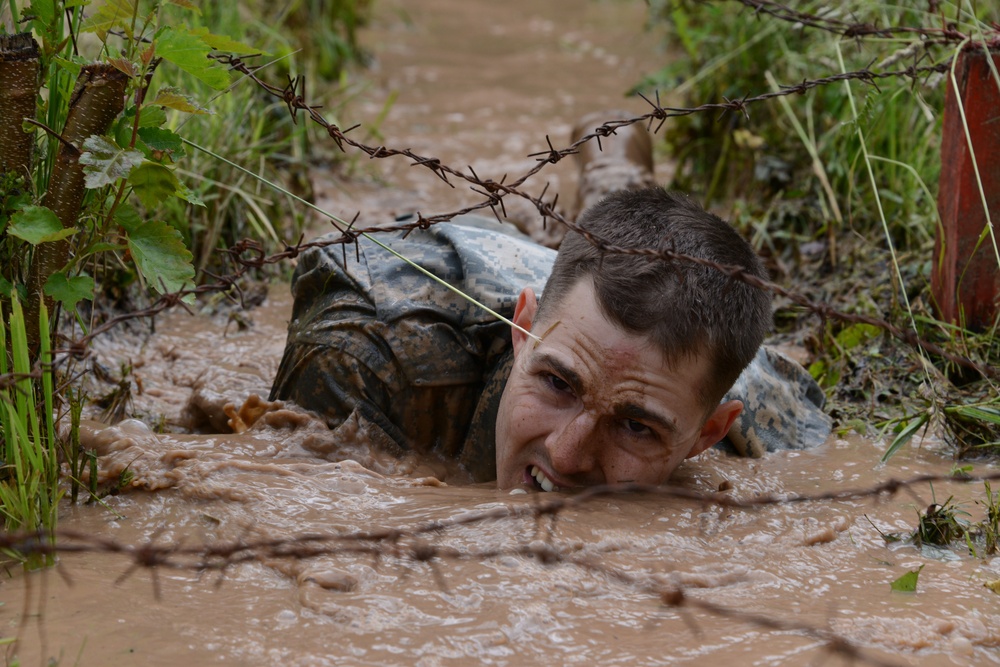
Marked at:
<point>966,280</point>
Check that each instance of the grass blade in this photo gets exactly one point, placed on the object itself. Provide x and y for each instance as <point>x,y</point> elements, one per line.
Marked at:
<point>905,435</point>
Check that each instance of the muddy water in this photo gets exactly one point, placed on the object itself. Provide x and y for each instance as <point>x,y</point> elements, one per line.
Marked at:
<point>471,77</point>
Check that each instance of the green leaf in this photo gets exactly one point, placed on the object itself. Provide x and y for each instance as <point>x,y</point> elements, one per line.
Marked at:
<point>121,131</point>
<point>105,162</point>
<point>15,202</point>
<point>174,99</point>
<point>976,412</point>
<point>826,376</point>
<point>71,68</point>
<point>112,14</point>
<point>43,13</point>
<point>188,195</point>
<point>69,291</point>
<point>127,217</point>
<point>6,288</point>
<point>152,116</point>
<point>37,224</point>
<point>189,52</point>
<point>908,582</point>
<point>161,256</point>
<point>159,139</point>
<point>859,426</point>
<point>153,183</point>
<point>905,434</point>
<point>223,43</point>
<point>857,334</point>
<point>186,4</point>
<point>101,246</point>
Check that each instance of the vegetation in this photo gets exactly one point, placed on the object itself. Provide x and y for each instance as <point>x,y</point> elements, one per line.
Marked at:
<point>249,130</point>
<point>948,524</point>
<point>837,188</point>
<point>120,140</point>
<point>29,477</point>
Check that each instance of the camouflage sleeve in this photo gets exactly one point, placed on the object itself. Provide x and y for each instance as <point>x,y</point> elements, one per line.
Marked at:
<point>342,357</point>
<point>782,407</point>
<point>372,335</point>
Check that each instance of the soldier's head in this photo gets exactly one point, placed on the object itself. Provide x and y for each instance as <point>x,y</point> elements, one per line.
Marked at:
<point>636,353</point>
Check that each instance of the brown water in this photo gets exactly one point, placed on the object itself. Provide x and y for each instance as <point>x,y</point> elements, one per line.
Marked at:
<point>475,79</point>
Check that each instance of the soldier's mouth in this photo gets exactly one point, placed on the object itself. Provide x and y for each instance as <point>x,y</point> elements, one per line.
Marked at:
<point>540,480</point>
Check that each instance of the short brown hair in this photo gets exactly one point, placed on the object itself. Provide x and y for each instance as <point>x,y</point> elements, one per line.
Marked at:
<point>686,309</point>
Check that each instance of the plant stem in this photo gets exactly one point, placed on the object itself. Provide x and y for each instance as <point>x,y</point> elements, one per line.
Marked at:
<point>878,201</point>
<point>18,90</point>
<point>98,99</point>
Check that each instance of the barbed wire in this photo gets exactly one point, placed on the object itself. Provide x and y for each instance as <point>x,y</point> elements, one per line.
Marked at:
<point>948,32</point>
<point>423,544</point>
<point>250,254</point>
<point>495,191</point>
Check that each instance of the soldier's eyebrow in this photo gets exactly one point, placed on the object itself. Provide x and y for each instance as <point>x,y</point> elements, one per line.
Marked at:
<point>568,375</point>
<point>641,414</point>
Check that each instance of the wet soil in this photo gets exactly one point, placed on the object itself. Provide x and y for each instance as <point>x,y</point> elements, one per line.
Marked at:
<point>479,84</point>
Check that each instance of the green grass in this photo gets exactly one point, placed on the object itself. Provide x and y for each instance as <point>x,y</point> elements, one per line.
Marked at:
<point>119,240</point>
<point>310,38</point>
<point>29,478</point>
<point>849,170</point>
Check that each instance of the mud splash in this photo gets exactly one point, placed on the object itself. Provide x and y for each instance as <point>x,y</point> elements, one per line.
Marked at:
<point>475,79</point>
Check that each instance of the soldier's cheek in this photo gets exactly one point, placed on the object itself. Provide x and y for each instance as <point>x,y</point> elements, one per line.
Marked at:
<point>531,419</point>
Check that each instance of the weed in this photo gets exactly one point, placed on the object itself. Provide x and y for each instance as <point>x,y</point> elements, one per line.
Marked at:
<point>989,527</point>
<point>940,525</point>
<point>837,188</point>
<point>117,403</point>
<point>260,136</point>
<point>945,524</point>
<point>94,191</point>
<point>29,487</point>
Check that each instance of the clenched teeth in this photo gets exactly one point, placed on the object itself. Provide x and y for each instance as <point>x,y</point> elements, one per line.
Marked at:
<point>542,480</point>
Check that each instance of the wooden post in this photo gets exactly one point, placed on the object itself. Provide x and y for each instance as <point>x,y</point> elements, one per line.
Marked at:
<point>965,280</point>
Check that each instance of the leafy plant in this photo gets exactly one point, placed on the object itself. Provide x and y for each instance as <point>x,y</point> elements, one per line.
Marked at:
<point>29,474</point>
<point>260,136</point>
<point>101,170</point>
<point>836,186</point>
<point>947,524</point>
<point>85,170</point>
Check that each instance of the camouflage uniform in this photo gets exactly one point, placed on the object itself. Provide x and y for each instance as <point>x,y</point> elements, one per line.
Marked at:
<point>420,368</point>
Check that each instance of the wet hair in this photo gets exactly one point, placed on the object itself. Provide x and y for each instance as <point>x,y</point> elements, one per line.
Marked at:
<point>684,308</point>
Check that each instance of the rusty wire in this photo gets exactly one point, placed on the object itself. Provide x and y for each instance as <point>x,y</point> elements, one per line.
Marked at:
<point>423,543</point>
<point>947,32</point>
<point>495,191</point>
<point>249,254</point>
<point>417,543</point>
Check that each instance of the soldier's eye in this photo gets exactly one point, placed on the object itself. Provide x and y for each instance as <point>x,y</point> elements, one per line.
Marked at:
<point>557,383</point>
<point>635,427</point>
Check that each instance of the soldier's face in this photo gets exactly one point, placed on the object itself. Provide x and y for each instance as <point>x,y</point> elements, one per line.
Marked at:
<point>592,404</point>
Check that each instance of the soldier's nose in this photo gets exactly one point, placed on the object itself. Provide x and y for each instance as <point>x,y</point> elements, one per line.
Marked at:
<point>571,447</point>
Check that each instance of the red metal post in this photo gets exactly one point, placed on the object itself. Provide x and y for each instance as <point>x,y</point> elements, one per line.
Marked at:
<point>966,281</point>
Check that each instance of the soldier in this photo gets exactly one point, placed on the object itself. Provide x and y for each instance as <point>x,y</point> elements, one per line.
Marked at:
<point>618,368</point>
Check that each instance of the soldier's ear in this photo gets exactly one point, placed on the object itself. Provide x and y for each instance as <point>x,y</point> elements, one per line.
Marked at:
<point>524,315</point>
<point>716,426</point>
